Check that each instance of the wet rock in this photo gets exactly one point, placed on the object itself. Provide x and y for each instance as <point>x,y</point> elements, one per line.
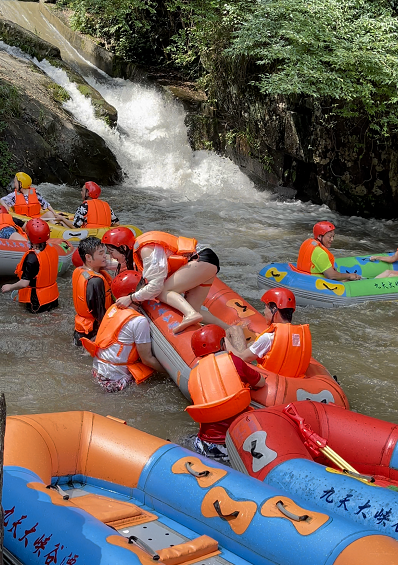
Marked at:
<point>44,139</point>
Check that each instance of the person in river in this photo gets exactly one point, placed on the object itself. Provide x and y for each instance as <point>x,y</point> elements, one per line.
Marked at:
<point>315,258</point>
<point>208,340</point>
<point>173,265</point>
<point>93,212</point>
<point>119,242</point>
<point>91,289</point>
<point>11,228</point>
<point>37,271</point>
<point>26,200</point>
<point>282,348</point>
<point>386,259</point>
<point>122,348</point>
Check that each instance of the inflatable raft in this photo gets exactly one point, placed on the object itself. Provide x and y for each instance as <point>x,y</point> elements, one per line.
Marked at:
<point>75,235</point>
<point>316,290</point>
<point>176,355</point>
<point>83,489</point>
<point>11,252</point>
<point>267,444</point>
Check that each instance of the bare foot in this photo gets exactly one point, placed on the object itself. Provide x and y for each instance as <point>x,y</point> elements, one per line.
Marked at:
<point>188,321</point>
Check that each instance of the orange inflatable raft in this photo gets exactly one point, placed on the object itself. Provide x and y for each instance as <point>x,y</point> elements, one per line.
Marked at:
<point>176,355</point>
<point>12,251</point>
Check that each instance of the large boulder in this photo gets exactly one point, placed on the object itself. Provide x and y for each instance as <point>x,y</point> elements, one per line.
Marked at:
<point>43,138</point>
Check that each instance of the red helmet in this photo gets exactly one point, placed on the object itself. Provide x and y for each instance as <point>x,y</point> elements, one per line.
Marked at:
<point>3,210</point>
<point>37,231</point>
<point>93,189</point>
<point>125,283</point>
<point>282,297</point>
<point>119,236</point>
<point>207,340</point>
<point>76,259</point>
<point>321,228</point>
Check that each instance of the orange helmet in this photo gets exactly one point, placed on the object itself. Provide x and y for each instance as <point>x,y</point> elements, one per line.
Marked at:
<point>118,237</point>
<point>37,231</point>
<point>321,228</point>
<point>207,340</point>
<point>3,210</point>
<point>125,283</point>
<point>93,190</point>
<point>282,297</point>
<point>76,259</point>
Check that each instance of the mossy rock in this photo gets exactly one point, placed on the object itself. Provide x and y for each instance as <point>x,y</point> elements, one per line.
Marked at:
<point>58,93</point>
<point>17,36</point>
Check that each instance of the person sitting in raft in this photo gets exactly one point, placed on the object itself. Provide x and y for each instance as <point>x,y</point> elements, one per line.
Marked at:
<point>91,289</point>
<point>120,244</point>
<point>206,341</point>
<point>315,258</point>
<point>37,271</point>
<point>171,266</point>
<point>26,200</point>
<point>11,228</point>
<point>386,259</point>
<point>283,348</point>
<point>122,348</point>
<point>93,212</point>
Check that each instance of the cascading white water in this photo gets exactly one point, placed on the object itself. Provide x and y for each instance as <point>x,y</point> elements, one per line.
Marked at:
<point>170,187</point>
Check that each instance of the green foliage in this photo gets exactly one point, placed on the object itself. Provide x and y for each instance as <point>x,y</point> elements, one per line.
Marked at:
<point>58,92</point>
<point>9,108</point>
<point>341,50</point>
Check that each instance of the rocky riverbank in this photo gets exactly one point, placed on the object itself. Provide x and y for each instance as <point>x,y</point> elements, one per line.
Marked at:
<point>38,135</point>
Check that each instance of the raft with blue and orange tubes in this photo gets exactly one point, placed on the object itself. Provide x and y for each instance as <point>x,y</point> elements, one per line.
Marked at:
<point>268,444</point>
<point>176,355</point>
<point>316,290</point>
<point>83,489</point>
<point>12,251</point>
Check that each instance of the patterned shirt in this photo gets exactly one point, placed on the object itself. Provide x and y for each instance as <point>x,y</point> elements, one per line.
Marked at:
<point>81,214</point>
<point>9,200</point>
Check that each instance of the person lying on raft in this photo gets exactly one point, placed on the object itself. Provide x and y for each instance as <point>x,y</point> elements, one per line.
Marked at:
<point>122,348</point>
<point>315,258</point>
<point>386,259</point>
<point>26,200</point>
<point>120,244</point>
<point>11,228</point>
<point>282,348</point>
<point>210,440</point>
<point>93,212</point>
<point>37,271</point>
<point>91,289</point>
<point>173,265</point>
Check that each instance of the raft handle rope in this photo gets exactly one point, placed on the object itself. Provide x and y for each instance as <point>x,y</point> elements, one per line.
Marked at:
<point>188,467</point>
<point>141,544</point>
<point>217,508</point>
<point>281,507</point>
<point>367,478</point>
<point>59,490</point>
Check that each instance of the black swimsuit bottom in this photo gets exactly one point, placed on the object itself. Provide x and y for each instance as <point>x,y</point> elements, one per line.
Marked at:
<point>207,255</point>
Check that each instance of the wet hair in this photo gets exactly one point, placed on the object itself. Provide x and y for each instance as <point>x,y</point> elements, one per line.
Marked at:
<point>128,253</point>
<point>285,313</point>
<point>38,246</point>
<point>88,246</point>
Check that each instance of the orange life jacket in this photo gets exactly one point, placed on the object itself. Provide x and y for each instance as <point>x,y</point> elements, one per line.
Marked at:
<point>84,320</point>
<point>6,220</point>
<point>179,246</point>
<point>291,350</point>
<point>98,214</point>
<point>46,279</point>
<point>216,390</point>
<point>304,262</point>
<point>32,208</point>
<point>108,334</point>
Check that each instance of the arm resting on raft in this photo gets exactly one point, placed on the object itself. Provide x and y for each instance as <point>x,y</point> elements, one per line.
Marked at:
<point>147,357</point>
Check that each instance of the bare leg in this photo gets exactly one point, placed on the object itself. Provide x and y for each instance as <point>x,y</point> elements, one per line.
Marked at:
<point>387,274</point>
<point>17,236</point>
<point>188,279</point>
<point>209,318</point>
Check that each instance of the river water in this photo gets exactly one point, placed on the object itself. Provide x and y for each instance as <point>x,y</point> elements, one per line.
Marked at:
<point>169,187</point>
